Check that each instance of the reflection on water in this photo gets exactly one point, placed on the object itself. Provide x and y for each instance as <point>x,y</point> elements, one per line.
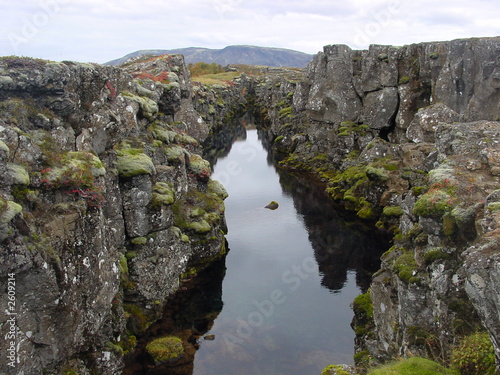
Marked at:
<point>291,276</point>
<point>189,315</point>
<point>338,247</point>
<point>283,313</point>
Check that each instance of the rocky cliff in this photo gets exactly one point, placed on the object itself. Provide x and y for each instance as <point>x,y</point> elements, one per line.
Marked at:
<point>408,139</point>
<point>105,207</point>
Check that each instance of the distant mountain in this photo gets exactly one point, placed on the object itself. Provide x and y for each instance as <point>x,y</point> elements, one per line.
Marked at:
<point>251,55</point>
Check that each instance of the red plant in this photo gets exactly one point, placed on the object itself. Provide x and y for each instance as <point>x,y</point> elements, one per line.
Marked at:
<point>112,90</point>
<point>162,77</point>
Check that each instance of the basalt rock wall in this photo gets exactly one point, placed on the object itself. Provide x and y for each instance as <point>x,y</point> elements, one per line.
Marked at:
<point>407,138</point>
<point>105,207</point>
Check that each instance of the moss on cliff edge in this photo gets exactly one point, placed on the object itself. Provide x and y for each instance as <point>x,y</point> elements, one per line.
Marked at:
<point>133,162</point>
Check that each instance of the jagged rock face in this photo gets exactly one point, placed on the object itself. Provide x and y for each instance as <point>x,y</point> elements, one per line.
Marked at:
<point>104,203</point>
<point>407,137</point>
<point>383,87</point>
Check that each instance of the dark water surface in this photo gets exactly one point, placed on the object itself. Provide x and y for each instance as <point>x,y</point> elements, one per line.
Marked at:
<point>291,275</point>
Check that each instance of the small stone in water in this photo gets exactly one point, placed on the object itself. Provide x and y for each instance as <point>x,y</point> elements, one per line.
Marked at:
<point>272,205</point>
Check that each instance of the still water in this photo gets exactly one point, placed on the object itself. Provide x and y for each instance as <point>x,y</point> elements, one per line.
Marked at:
<point>291,274</point>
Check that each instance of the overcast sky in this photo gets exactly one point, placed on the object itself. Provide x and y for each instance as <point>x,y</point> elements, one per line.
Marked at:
<point>102,30</point>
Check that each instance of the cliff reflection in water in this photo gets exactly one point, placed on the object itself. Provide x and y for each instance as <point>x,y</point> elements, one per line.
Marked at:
<point>188,315</point>
<point>339,245</point>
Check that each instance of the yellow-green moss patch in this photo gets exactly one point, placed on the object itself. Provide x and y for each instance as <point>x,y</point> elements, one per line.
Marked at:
<point>163,194</point>
<point>19,174</point>
<point>8,211</point>
<point>134,162</point>
<point>165,349</point>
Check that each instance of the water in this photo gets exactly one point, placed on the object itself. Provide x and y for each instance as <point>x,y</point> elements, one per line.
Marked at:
<point>291,275</point>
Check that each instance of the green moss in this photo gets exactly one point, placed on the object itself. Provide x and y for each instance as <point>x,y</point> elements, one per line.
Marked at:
<point>362,306</point>
<point>405,267</point>
<point>21,193</point>
<point>493,206</point>
<point>165,349</point>
<point>163,194</point>
<point>383,57</point>
<point>148,107</point>
<point>433,204</point>
<point>4,148</point>
<point>133,162</point>
<point>122,264</point>
<point>362,358</point>
<point>127,344</point>
<point>347,128</point>
<point>139,240</point>
<point>438,200</point>
<point>334,370</point>
<point>162,133</point>
<point>198,212</point>
<point>366,211</point>
<point>285,112</point>
<point>76,169</point>
<point>278,139</point>
<point>393,211</point>
<point>320,158</point>
<point>18,173</point>
<point>199,166</point>
<point>404,80</point>
<point>412,366</point>
<point>449,225</point>
<point>436,254</point>
<point>376,174</point>
<point>215,188</point>
<point>199,227</point>
<point>434,55</point>
<point>8,211</point>
<point>174,153</point>
<point>138,320</point>
<point>185,139</point>
<point>112,347</point>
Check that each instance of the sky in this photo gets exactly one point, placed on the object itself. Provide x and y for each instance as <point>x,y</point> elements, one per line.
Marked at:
<point>100,31</point>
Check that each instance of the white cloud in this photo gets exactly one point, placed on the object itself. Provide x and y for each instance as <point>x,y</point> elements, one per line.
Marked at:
<point>93,30</point>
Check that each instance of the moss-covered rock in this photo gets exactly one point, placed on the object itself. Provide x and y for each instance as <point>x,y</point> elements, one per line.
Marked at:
<point>439,199</point>
<point>338,370</point>
<point>8,210</point>
<point>133,162</point>
<point>163,194</point>
<point>273,205</point>
<point>19,174</point>
<point>165,349</point>
<point>148,107</point>
<point>199,166</point>
<point>174,153</point>
<point>406,267</point>
<point>4,148</point>
<point>215,188</point>
<point>73,169</point>
<point>139,240</point>
<point>392,211</point>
